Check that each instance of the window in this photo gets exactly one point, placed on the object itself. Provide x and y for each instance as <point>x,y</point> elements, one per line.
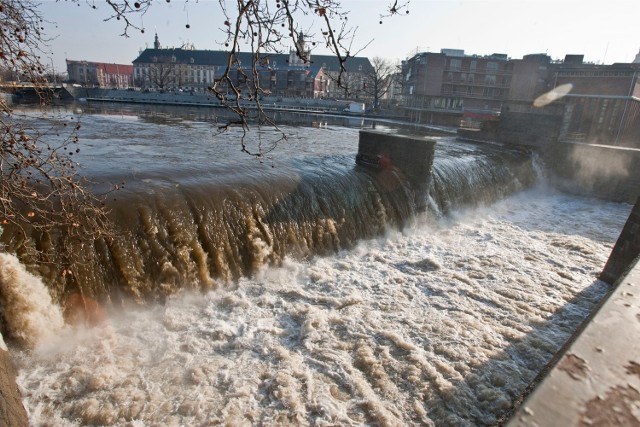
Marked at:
<point>488,92</point>
<point>191,60</point>
<point>473,65</point>
<point>492,67</point>
<point>455,64</point>
<point>490,79</point>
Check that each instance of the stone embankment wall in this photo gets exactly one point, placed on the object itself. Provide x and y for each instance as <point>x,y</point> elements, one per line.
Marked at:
<point>609,172</point>
<point>12,413</point>
<point>203,99</point>
<point>518,127</point>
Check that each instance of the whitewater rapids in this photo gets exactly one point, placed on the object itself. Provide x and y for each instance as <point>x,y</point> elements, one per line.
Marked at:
<point>445,323</point>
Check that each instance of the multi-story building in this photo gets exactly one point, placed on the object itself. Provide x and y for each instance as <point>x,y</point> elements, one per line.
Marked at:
<point>100,74</point>
<point>278,74</point>
<point>440,87</point>
<point>600,103</point>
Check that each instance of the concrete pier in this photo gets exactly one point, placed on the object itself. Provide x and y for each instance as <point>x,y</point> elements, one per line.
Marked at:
<point>408,156</point>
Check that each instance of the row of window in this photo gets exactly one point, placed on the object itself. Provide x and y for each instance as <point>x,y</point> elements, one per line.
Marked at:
<point>595,73</point>
<point>489,79</point>
<point>456,64</point>
<point>486,92</point>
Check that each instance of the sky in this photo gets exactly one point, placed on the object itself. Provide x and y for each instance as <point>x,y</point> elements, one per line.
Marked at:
<point>605,31</point>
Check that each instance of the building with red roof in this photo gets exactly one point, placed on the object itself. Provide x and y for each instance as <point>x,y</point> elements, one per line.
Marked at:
<point>101,74</point>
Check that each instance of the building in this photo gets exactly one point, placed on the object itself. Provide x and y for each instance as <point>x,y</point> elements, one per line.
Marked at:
<point>603,103</point>
<point>443,87</point>
<point>278,74</point>
<point>86,73</point>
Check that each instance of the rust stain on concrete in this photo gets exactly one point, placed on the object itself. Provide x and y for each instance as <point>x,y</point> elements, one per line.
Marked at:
<point>617,408</point>
<point>576,367</point>
<point>633,368</point>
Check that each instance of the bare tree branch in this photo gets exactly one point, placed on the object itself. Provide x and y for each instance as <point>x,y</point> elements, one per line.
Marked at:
<point>40,188</point>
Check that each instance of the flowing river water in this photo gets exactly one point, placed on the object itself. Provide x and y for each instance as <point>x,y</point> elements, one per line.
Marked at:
<point>298,289</point>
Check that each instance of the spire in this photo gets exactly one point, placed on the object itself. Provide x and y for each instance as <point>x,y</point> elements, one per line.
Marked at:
<point>301,55</point>
<point>301,42</point>
<point>156,42</point>
<point>637,60</point>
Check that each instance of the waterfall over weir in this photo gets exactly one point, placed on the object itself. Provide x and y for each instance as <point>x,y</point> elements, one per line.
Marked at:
<point>340,295</point>
<point>204,225</point>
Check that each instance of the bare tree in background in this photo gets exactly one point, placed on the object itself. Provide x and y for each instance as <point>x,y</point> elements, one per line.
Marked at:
<point>163,73</point>
<point>378,83</point>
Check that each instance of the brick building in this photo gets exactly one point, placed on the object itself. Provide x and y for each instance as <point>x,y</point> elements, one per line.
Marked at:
<point>86,73</point>
<point>442,87</point>
<point>603,105</point>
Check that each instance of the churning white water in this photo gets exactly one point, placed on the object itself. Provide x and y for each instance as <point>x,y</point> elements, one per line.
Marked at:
<point>445,323</point>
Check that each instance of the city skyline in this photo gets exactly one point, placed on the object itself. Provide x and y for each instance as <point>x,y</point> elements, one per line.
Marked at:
<point>604,33</point>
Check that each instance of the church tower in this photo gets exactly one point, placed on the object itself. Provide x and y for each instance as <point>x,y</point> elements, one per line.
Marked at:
<point>156,42</point>
<point>637,60</point>
<point>301,46</point>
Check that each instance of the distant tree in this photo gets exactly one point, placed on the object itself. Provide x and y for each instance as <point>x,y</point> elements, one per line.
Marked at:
<point>162,74</point>
<point>378,83</point>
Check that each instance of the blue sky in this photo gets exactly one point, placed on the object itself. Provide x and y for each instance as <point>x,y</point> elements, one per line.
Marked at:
<point>604,31</point>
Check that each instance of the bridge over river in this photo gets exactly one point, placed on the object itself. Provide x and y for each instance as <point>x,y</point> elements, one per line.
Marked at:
<point>27,90</point>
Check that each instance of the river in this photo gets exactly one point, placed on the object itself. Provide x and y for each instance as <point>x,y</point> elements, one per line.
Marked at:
<point>296,289</point>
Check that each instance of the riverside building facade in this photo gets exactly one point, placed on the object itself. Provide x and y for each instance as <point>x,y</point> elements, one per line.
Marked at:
<point>100,74</point>
<point>601,104</point>
<point>279,74</point>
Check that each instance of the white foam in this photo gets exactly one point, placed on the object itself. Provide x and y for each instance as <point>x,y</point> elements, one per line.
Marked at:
<point>3,345</point>
<point>439,324</point>
<point>27,308</point>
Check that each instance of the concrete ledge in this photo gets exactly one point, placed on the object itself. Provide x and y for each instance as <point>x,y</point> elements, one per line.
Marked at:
<point>596,382</point>
<point>603,171</point>
<point>12,413</point>
<point>407,156</point>
<point>411,154</point>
